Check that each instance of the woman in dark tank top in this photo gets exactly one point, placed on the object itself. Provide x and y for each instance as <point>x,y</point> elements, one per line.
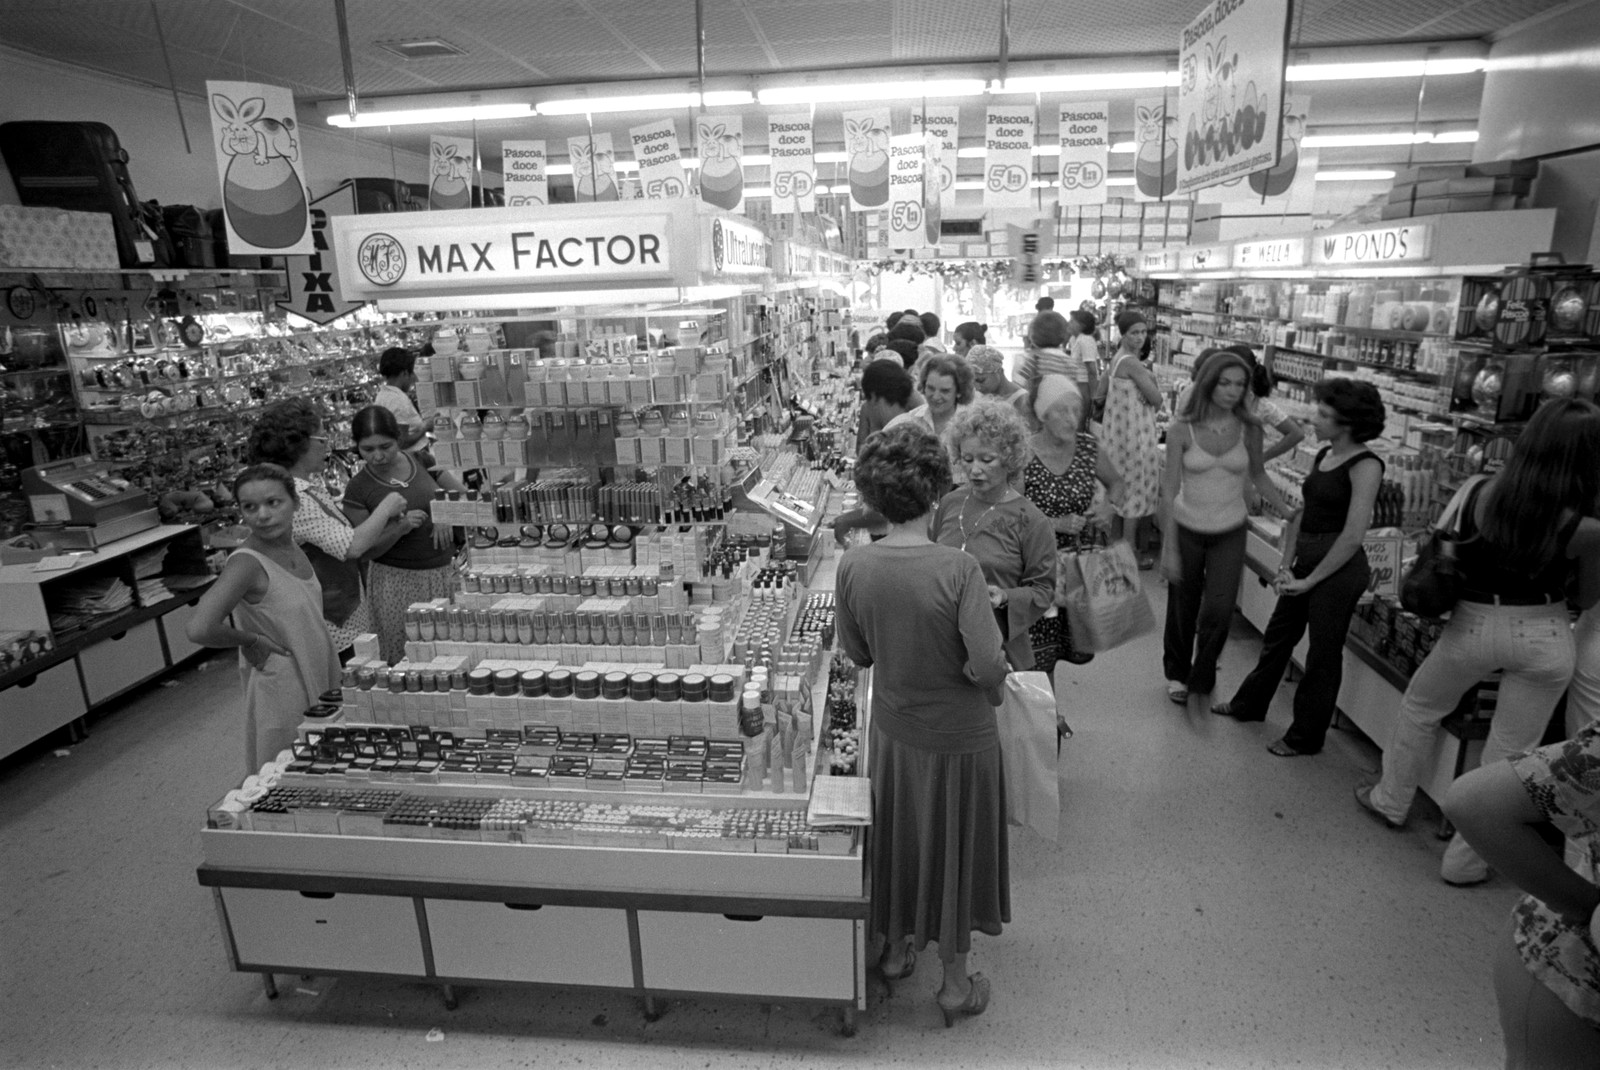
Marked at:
<point>1529,527</point>
<point>1324,569</point>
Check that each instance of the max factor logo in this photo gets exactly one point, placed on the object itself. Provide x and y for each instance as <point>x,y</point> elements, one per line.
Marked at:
<point>382,259</point>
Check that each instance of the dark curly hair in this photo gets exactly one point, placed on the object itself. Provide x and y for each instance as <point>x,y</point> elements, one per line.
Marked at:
<point>902,473</point>
<point>905,350</point>
<point>1355,403</point>
<point>266,473</point>
<point>911,332</point>
<point>283,432</point>
<point>396,360</point>
<point>956,368</point>
<point>1048,330</point>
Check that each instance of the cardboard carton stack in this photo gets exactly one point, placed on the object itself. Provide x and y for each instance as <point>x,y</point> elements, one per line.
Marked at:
<point>1432,189</point>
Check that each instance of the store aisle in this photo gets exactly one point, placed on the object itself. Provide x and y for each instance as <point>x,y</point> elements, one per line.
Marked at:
<point>1209,905</point>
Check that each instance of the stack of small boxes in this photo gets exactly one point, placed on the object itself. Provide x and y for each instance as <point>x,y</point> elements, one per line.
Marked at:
<point>1433,189</point>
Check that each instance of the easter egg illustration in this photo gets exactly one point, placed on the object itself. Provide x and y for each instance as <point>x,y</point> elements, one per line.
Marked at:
<point>596,187</point>
<point>449,192</point>
<point>1155,172</point>
<point>1567,309</point>
<point>1487,314</point>
<point>266,202</point>
<point>1275,181</point>
<point>722,182</point>
<point>869,178</point>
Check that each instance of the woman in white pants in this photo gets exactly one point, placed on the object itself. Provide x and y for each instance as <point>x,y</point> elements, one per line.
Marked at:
<point>1528,525</point>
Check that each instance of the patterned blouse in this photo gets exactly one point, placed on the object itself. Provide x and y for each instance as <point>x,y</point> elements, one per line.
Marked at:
<point>319,521</point>
<point>1563,780</point>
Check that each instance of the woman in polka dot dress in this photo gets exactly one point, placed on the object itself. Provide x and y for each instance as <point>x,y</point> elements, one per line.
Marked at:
<point>1129,437</point>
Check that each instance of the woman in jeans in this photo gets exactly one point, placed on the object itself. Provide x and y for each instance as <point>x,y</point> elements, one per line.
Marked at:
<point>1526,526</point>
<point>1325,570</point>
<point>1213,451</point>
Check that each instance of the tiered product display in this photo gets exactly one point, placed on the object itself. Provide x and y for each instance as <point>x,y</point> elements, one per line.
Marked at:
<point>617,713</point>
<point>1461,357</point>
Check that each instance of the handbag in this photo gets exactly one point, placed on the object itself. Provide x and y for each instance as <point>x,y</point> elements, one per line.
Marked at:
<point>1109,607</point>
<point>340,579</point>
<point>1026,720</point>
<point>1432,584</point>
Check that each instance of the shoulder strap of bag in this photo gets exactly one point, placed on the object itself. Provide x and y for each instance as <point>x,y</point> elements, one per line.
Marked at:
<point>1450,521</point>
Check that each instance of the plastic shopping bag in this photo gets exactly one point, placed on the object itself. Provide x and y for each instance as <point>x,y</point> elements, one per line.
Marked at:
<point>1109,608</point>
<point>1027,721</point>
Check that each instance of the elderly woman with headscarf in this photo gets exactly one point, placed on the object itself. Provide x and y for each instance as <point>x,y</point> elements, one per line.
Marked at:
<point>989,377</point>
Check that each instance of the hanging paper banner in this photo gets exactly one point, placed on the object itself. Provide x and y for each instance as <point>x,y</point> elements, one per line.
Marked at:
<point>315,290</point>
<point>1025,245</point>
<point>907,163</point>
<point>524,166</point>
<point>450,165</point>
<point>1289,186</point>
<point>594,167</point>
<point>1085,132</point>
<point>866,139</point>
<point>1008,156</point>
<point>1230,90</point>
<point>720,141</point>
<point>259,163</point>
<point>1155,165</point>
<point>932,186</point>
<point>943,123</point>
<point>794,164</point>
<point>655,148</point>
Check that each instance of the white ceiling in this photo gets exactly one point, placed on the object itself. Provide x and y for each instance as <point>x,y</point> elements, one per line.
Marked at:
<point>520,43</point>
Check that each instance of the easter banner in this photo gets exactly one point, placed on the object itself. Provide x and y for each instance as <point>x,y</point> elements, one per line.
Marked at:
<point>1008,156</point>
<point>594,167</point>
<point>866,140</point>
<point>1155,163</point>
<point>794,165</point>
<point>1085,134</point>
<point>1287,186</point>
<point>259,162</point>
<point>1230,90</point>
<point>907,215</point>
<point>450,161</point>
<point>524,166</point>
<point>943,123</point>
<point>720,140</point>
<point>655,147</point>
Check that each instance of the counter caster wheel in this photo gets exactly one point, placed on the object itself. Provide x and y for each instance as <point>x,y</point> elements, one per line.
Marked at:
<point>847,1021</point>
<point>269,985</point>
<point>450,1001</point>
<point>653,1009</point>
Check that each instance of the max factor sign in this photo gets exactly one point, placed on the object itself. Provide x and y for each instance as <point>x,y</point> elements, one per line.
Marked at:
<point>390,257</point>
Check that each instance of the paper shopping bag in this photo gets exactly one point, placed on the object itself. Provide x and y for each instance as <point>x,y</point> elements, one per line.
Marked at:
<point>1109,608</point>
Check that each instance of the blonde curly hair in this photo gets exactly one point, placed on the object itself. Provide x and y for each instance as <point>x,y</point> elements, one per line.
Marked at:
<point>996,424</point>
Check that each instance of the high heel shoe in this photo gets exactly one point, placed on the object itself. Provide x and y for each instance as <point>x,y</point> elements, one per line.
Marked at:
<point>906,967</point>
<point>976,1003</point>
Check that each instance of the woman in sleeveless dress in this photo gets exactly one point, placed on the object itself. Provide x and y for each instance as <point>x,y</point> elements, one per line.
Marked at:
<point>1213,452</point>
<point>1324,571</point>
<point>1128,428</point>
<point>286,657</point>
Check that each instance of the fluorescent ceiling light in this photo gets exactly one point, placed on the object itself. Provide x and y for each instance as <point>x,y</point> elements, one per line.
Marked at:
<point>1125,146</point>
<point>862,91</point>
<point>644,102</point>
<point>1128,181</point>
<point>1354,176</point>
<point>1078,83</point>
<point>1406,68</point>
<point>413,116</point>
<point>831,157</point>
<point>1406,137</point>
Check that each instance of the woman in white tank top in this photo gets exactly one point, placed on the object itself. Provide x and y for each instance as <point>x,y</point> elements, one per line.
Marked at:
<point>1213,452</point>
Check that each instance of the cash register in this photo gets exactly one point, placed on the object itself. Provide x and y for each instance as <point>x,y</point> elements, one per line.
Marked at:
<point>81,504</point>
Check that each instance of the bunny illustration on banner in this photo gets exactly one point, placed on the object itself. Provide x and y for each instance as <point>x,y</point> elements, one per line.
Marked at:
<point>593,174</point>
<point>262,190</point>
<point>1275,181</point>
<point>866,139</point>
<point>1155,168</point>
<point>721,168</point>
<point>451,185</point>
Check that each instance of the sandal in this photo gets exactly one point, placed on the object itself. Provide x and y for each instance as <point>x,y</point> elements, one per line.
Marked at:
<point>906,967</point>
<point>1282,749</point>
<point>1177,692</point>
<point>976,1003</point>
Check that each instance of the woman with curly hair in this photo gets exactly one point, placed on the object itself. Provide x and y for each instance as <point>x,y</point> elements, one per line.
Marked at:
<point>919,614</point>
<point>991,520</point>
<point>1528,528</point>
<point>946,385</point>
<point>1324,573</point>
<point>290,434</point>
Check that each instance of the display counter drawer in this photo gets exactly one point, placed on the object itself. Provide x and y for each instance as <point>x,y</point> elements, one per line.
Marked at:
<point>325,931</point>
<point>811,958</point>
<point>179,648</point>
<point>38,704</point>
<point>549,944</point>
<point>125,659</point>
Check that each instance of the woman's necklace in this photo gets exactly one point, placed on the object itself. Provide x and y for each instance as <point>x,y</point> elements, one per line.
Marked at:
<point>390,480</point>
<point>966,535</point>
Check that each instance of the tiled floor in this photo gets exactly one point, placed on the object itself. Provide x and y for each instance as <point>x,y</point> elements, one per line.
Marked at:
<point>1208,905</point>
